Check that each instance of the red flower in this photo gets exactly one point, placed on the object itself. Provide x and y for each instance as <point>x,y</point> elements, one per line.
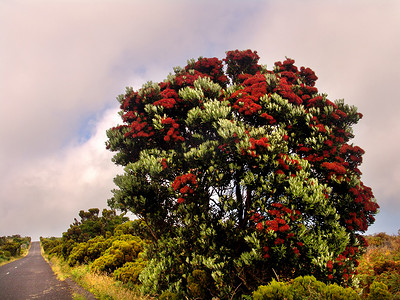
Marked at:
<point>260,226</point>
<point>329,265</point>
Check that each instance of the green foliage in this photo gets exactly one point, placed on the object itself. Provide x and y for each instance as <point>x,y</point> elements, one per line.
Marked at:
<point>274,290</point>
<point>381,263</point>
<point>11,246</point>
<point>129,272</point>
<point>379,291</point>
<point>167,295</point>
<point>198,284</point>
<point>336,292</point>
<point>241,172</point>
<point>91,225</point>
<point>120,252</point>
<point>115,249</point>
<point>306,287</point>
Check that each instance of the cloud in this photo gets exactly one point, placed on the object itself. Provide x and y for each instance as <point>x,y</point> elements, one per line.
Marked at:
<point>44,198</point>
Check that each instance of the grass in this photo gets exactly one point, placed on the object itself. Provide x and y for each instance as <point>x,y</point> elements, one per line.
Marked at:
<point>100,285</point>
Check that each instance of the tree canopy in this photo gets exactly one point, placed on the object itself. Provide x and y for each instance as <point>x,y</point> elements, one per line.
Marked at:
<point>243,174</point>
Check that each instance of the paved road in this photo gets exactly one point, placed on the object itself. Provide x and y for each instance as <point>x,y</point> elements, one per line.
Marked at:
<point>31,277</point>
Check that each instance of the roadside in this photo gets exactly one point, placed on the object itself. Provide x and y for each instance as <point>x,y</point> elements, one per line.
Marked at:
<point>82,280</point>
<point>78,292</point>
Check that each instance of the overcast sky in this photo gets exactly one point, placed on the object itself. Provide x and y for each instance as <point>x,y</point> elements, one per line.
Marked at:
<point>62,64</point>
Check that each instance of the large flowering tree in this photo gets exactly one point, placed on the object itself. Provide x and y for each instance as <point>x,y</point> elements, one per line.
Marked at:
<point>242,174</point>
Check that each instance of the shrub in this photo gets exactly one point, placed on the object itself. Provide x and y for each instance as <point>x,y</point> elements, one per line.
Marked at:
<point>379,291</point>
<point>336,292</point>
<point>274,290</point>
<point>167,295</point>
<point>129,272</point>
<point>306,287</point>
<point>118,254</point>
<point>198,284</point>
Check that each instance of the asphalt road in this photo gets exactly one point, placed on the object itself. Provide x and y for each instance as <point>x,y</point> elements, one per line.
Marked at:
<point>31,277</point>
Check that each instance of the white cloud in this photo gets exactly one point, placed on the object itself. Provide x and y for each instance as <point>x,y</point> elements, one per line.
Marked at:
<point>49,193</point>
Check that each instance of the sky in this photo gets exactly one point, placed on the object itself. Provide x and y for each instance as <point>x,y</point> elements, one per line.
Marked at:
<point>63,63</point>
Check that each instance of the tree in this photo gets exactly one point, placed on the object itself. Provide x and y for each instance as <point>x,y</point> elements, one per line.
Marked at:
<point>243,173</point>
<point>91,225</point>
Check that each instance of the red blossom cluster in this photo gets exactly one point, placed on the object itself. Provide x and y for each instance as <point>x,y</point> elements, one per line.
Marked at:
<point>284,89</point>
<point>241,62</point>
<point>343,267</point>
<point>173,132</point>
<point>139,127</point>
<point>360,218</point>
<point>260,143</point>
<point>308,76</point>
<point>245,99</point>
<point>212,67</point>
<point>187,79</point>
<point>286,163</point>
<point>164,163</point>
<point>334,168</point>
<point>185,184</point>
<point>279,217</point>
<point>168,100</point>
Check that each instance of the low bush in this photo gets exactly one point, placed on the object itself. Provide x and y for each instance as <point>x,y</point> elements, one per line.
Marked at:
<point>306,287</point>
<point>129,272</point>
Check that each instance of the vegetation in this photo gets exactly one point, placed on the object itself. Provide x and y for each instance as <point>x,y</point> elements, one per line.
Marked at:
<point>12,247</point>
<point>241,175</point>
<point>378,274</point>
<point>245,185</point>
<point>379,268</point>
<point>101,249</point>
<point>101,285</point>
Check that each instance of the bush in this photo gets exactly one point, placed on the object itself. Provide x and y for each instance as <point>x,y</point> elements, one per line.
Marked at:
<point>379,291</point>
<point>274,290</point>
<point>118,254</point>
<point>306,287</point>
<point>129,272</point>
<point>167,295</point>
<point>381,263</point>
<point>336,292</point>
<point>198,284</point>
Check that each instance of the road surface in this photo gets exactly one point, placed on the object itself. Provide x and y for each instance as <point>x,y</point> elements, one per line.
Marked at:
<point>31,277</point>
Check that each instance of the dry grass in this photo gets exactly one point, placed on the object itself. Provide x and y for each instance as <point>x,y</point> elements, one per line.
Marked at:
<point>102,286</point>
